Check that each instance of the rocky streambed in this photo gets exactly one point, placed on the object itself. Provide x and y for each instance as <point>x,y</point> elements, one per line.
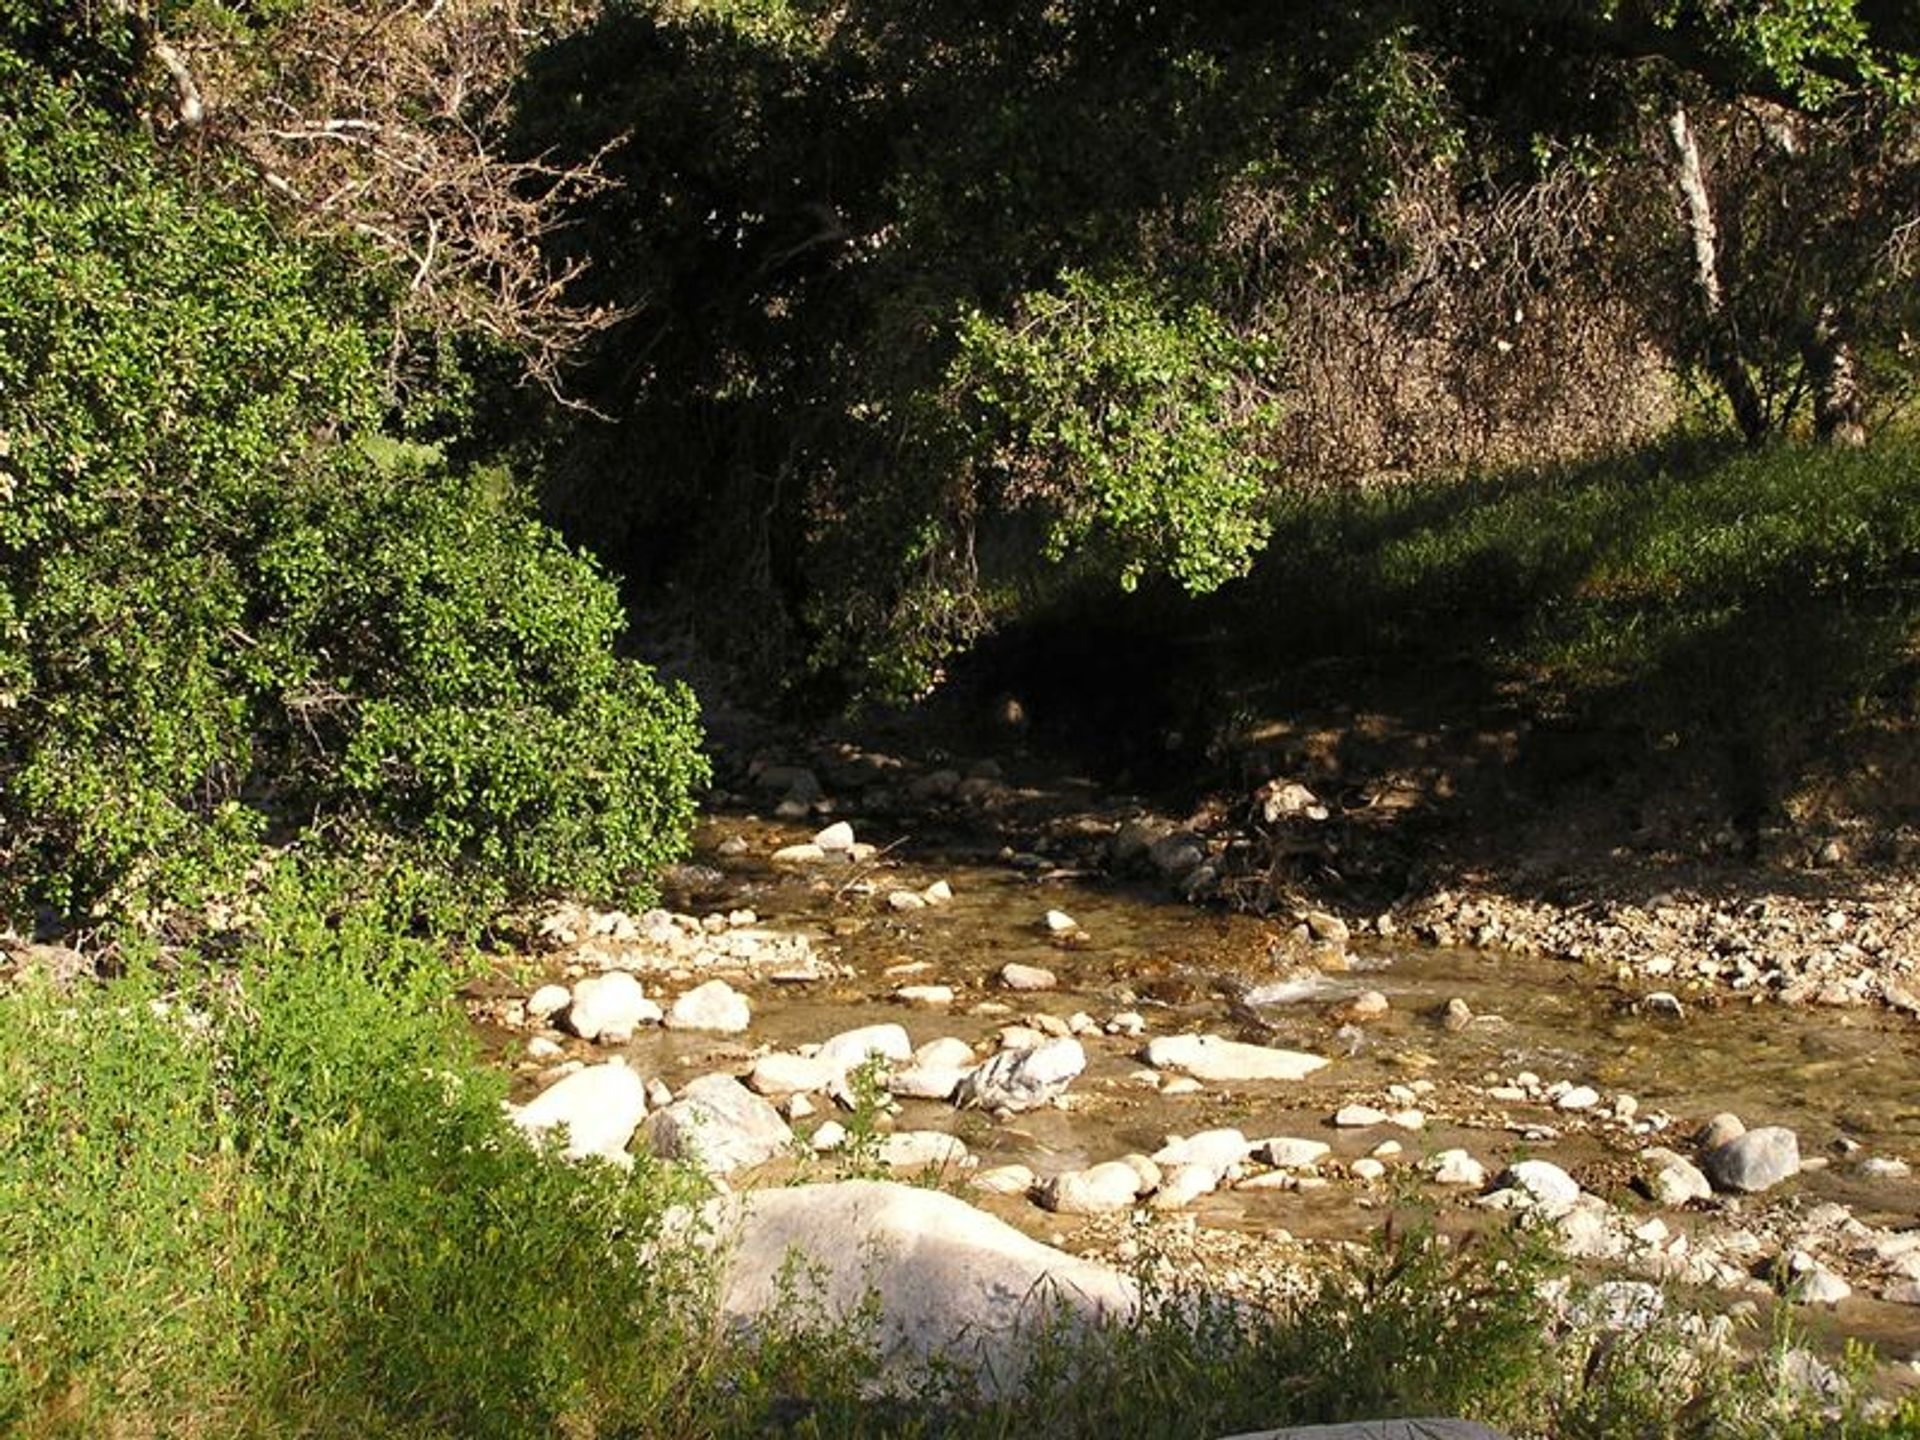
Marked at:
<point>1230,1094</point>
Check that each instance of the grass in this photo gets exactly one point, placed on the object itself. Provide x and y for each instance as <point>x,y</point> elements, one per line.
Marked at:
<point>278,1197</point>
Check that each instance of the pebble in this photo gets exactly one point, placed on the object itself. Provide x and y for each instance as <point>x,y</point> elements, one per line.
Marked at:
<point>1180,1085</point>
<point>798,855</point>
<point>904,900</point>
<point>1058,922</point>
<point>938,893</point>
<point>1367,1169</point>
<point>924,995</point>
<point>1880,1167</point>
<point>829,1135</point>
<point>1027,977</point>
<point>541,1047</point>
<point>837,838</point>
<point>1129,1023</point>
<point>1580,1097</point>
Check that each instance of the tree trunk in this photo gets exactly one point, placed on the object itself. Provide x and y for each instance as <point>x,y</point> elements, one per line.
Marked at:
<point>1828,360</point>
<point>1722,343</point>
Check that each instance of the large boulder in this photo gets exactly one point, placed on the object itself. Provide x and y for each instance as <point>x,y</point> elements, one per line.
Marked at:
<point>947,1278</point>
<point>597,1108</point>
<point>719,1125</point>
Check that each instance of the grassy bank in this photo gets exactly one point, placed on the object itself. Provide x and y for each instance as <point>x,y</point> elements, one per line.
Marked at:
<point>278,1197</point>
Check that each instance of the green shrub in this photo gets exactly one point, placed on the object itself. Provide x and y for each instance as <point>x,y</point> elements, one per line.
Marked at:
<point>227,610</point>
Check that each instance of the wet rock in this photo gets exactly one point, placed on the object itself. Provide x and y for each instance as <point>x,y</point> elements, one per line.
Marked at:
<point>943,1276</point>
<point>1208,1057</point>
<point>781,1073</point>
<point>1027,977</point>
<point>1286,1153</point>
<point>929,995</point>
<point>1542,1182</point>
<point>1755,1161</point>
<point>799,855</point>
<point>1177,856</point>
<point>719,1125</point>
<point>1456,1167</point>
<point>597,1107</point>
<point>1097,1190</point>
<point>1670,1178</point>
<point>715,1006</point>
<point>851,1048</point>
<point>1023,1079</point>
<point>548,1001</point>
<point>608,1008</point>
<point>1058,922</point>
<point>923,1149</point>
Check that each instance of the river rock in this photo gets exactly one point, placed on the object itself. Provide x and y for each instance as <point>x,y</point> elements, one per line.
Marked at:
<point>949,1050</point>
<point>905,900</point>
<point>1208,1057</point>
<point>608,1008</point>
<point>851,1048</point>
<point>719,1125</point>
<point>1812,1283</point>
<point>1005,1180</point>
<point>920,1081</point>
<point>808,854</point>
<point>1358,1117</point>
<point>1456,1167</point>
<point>1023,1079</point>
<point>598,1107</point>
<point>1755,1161</point>
<point>1177,856</point>
<point>1542,1182</point>
<point>1669,1178</point>
<point>1097,1190</point>
<point>1027,977</point>
<point>1422,1429</point>
<point>921,1149</point>
<point>548,1001</point>
<point>715,1006</point>
<point>926,995</point>
<point>1058,922</point>
<point>1719,1130</point>
<point>781,1073</point>
<point>943,1276</point>
<point>1578,1097</point>
<point>1181,1185</point>
<point>827,1137</point>
<point>835,839</point>
<point>1217,1150</point>
<point>1283,1152</point>
<point>938,893</point>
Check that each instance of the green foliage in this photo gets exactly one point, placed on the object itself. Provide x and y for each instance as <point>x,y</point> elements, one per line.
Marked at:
<point>286,1199</point>
<point>224,608</point>
<point>1133,423</point>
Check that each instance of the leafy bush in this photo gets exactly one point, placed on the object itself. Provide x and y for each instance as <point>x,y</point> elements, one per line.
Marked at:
<point>226,608</point>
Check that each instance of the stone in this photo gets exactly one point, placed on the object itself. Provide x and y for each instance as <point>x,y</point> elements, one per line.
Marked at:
<point>1217,1150</point>
<point>1669,1178</point>
<point>1097,1190</point>
<point>920,1081</point>
<point>1004,1180</point>
<point>597,1107</point>
<point>608,1008</point>
<point>548,1001</point>
<point>1180,1085</point>
<point>1027,977</point>
<point>796,1107</point>
<point>1755,1161</point>
<point>1368,1169</point>
<point>715,1006</point>
<point>719,1125</point>
<point>923,1149</point>
<point>1422,1429</point>
<point>1364,1008</point>
<point>905,900</point>
<point>938,893</point>
<point>1177,856</point>
<point>1023,1079</point>
<point>1358,1117</point>
<point>1811,1283</point>
<point>1279,800</point>
<point>928,995</point>
<point>799,855</point>
<point>1719,1130</point>
<point>837,838</point>
<point>782,1073</point>
<point>1883,1167</point>
<point>1285,1153</point>
<point>1457,1015</point>
<point>540,1047</point>
<point>1542,1182</point>
<point>1208,1057</point>
<point>828,1137</point>
<point>851,1048</point>
<point>1058,922</point>
<point>943,1276</point>
<point>1181,1185</point>
<point>1456,1167</point>
<point>1326,927</point>
<point>1580,1097</point>
<point>1145,1171</point>
<point>1130,1023</point>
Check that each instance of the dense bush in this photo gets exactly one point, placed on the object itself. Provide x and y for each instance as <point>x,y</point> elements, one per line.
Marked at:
<point>228,610</point>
